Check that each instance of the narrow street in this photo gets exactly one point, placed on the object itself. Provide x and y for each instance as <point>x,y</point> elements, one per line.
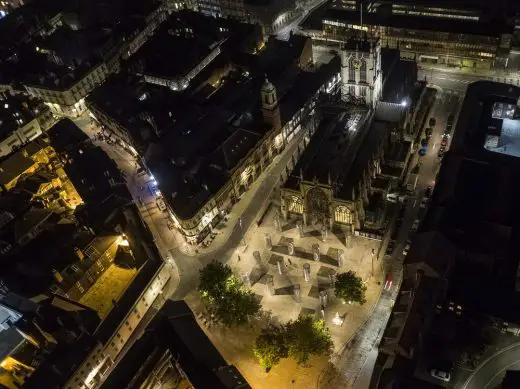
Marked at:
<point>357,361</point>
<point>167,241</point>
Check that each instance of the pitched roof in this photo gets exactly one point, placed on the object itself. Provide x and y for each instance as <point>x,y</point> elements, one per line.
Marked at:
<point>14,166</point>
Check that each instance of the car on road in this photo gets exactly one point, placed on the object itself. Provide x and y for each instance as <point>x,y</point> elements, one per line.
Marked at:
<point>441,374</point>
<point>390,247</point>
<point>406,249</point>
<point>428,132</point>
<point>396,197</point>
<point>432,122</point>
<point>450,120</point>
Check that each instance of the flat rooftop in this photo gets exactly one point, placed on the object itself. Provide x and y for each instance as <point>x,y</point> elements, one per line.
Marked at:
<point>491,28</point>
<point>87,36</point>
<point>16,111</point>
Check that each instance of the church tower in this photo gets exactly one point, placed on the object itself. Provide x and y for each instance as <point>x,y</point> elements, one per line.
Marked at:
<point>270,108</point>
<point>361,78</point>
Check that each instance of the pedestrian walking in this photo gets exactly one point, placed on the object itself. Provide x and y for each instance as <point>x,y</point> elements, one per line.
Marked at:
<point>239,258</point>
<point>289,260</point>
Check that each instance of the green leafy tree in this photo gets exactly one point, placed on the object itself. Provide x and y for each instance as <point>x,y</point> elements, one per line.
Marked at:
<point>214,278</point>
<point>228,300</point>
<point>350,287</point>
<point>237,306</point>
<point>271,346</point>
<point>307,337</point>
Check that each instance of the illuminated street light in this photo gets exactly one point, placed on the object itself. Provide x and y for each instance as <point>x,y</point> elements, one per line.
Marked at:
<point>404,103</point>
<point>123,241</point>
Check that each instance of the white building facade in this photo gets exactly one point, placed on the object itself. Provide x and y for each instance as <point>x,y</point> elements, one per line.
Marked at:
<point>361,72</point>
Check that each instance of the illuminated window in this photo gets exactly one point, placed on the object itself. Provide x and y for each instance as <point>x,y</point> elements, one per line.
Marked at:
<point>363,71</point>
<point>295,204</point>
<point>343,215</point>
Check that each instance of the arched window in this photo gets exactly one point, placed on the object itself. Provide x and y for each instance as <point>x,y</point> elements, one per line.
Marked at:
<point>342,215</point>
<point>363,71</point>
<point>295,204</point>
<point>352,69</point>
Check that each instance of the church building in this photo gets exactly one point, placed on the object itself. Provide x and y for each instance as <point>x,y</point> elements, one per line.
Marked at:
<point>357,156</point>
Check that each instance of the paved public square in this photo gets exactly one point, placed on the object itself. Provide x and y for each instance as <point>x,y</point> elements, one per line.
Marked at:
<point>256,263</point>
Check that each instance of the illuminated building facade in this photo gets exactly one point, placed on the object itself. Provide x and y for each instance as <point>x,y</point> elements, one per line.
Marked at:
<point>361,78</point>
<point>456,36</point>
<point>355,159</point>
<point>62,77</point>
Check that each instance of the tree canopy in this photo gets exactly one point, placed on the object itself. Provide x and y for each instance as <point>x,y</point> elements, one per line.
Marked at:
<point>308,337</point>
<point>349,287</point>
<point>298,339</point>
<point>271,346</point>
<point>228,300</point>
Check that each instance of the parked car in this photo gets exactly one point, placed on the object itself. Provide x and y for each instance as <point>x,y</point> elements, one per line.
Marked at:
<point>396,197</point>
<point>415,225</point>
<point>390,247</point>
<point>450,120</point>
<point>432,122</point>
<point>406,249</point>
<point>424,202</point>
<point>440,154</point>
<point>441,374</point>
<point>428,132</point>
<point>428,192</point>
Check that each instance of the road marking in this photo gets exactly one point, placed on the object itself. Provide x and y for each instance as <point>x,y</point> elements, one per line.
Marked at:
<point>435,144</point>
<point>489,359</point>
<point>500,372</point>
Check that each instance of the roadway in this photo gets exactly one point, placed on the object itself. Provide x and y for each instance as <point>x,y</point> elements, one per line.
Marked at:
<point>285,32</point>
<point>490,373</point>
<point>357,365</point>
<point>169,243</point>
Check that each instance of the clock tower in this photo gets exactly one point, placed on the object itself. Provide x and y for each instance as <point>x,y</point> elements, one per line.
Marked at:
<point>361,72</point>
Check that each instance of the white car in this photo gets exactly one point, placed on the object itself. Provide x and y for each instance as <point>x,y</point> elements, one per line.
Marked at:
<point>441,375</point>
<point>406,249</point>
<point>395,197</point>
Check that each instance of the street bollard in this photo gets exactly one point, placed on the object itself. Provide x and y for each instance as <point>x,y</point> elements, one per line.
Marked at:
<point>297,292</point>
<point>299,224</point>
<point>316,252</point>
<point>339,258</point>
<point>281,266</point>
<point>307,272</point>
<point>324,298</point>
<point>268,242</point>
<point>247,279</point>
<point>270,285</point>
